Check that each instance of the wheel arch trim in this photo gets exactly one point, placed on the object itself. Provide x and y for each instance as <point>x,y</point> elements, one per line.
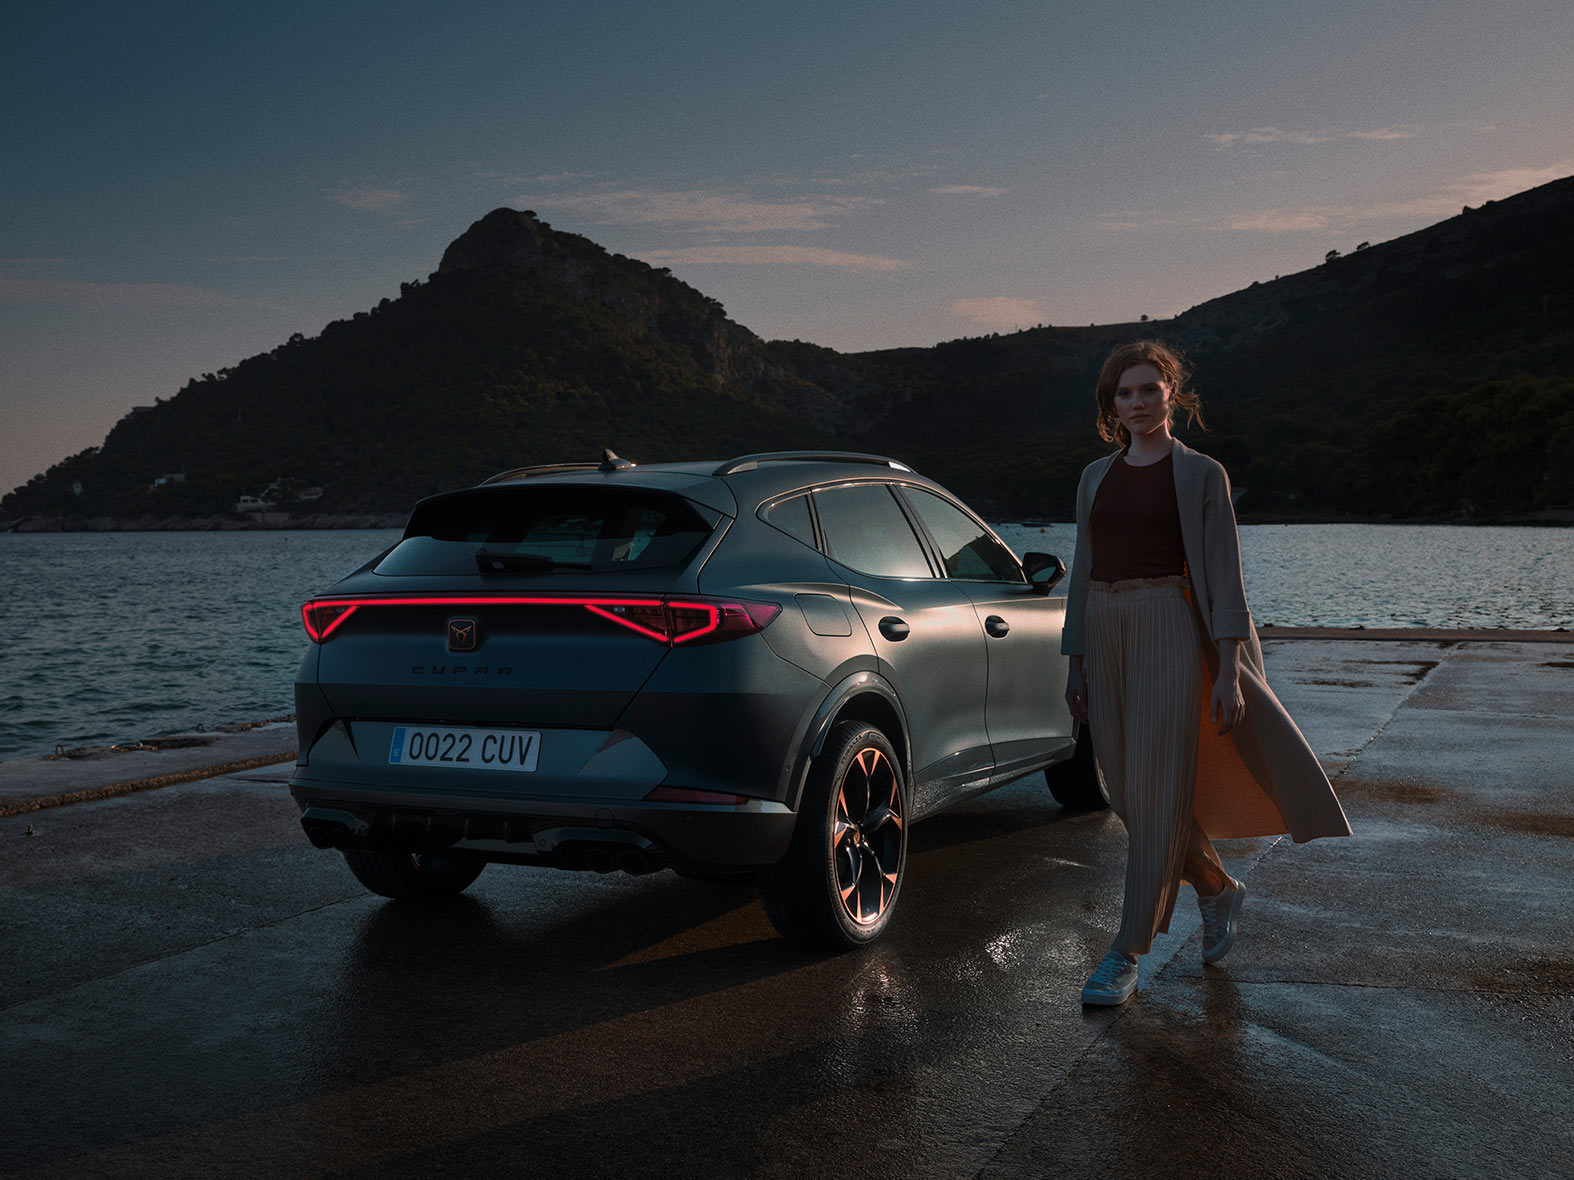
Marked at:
<point>847,690</point>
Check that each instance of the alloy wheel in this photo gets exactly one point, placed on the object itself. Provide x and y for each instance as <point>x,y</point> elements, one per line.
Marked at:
<point>866,836</point>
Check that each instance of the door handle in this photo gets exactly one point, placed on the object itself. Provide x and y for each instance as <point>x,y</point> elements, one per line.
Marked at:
<point>893,628</point>
<point>997,627</point>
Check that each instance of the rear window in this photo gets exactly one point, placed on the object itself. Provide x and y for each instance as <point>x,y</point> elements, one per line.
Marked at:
<point>537,530</point>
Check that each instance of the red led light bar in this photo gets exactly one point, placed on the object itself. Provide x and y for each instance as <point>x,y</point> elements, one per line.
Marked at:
<point>671,621</point>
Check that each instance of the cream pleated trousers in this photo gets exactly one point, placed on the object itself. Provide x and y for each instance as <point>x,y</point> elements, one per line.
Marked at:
<point>1146,680</point>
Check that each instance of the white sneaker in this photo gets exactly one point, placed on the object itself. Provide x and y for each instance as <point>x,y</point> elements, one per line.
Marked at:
<point>1220,918</point>
<point>1113,982</point>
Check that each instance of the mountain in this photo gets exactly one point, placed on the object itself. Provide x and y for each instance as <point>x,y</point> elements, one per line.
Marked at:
<point>1428,377</point>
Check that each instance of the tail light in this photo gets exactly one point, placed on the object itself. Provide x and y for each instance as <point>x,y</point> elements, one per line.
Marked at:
<point>671,621</point>
<point>678,621</point>
<point>323,618</point>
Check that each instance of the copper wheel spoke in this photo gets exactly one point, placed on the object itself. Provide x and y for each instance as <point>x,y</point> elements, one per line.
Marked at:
<point>867,836</point>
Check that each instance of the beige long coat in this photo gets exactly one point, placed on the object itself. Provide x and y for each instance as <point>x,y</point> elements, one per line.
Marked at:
<point>1260,779</point>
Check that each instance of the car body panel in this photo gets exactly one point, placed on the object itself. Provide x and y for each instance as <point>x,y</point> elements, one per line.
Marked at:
<point>724,722</point>
<point>533,665</point>
<point>939,671</point>
<point>1025,710</point>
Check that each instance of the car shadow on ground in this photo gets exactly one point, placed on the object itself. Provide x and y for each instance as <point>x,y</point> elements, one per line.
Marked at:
<point>532,953</point>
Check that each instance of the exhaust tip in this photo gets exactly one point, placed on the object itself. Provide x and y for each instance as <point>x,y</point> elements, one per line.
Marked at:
<point>328,835</point>
<point>633,863</point>
<point>327,828</point>
<point>599,860</point>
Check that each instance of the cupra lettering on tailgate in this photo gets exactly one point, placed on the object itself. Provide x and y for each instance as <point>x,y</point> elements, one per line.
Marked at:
<point>458,670</point>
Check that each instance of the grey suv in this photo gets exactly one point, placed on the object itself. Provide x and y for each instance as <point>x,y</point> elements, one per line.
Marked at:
<point>774,664</point>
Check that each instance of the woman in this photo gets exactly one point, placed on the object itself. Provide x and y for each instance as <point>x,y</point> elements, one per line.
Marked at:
<point>1167,671</point>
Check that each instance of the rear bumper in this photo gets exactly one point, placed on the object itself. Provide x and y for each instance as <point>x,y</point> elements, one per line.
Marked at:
<point>563,834</point>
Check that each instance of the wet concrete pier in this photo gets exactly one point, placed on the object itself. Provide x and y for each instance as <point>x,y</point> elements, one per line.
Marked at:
<point>189,989</point>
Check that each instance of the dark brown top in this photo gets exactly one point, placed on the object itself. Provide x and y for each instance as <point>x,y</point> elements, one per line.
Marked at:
<point>1135,523</point>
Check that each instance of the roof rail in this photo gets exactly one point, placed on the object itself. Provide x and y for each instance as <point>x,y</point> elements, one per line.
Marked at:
<point>750,462</point>
<point>543,469</point>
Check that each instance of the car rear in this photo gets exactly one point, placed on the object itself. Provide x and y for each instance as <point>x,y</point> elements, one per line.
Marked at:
<point>532,674</point>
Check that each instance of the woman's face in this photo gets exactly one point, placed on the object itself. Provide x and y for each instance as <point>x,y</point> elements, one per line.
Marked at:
<point>1142,400</point>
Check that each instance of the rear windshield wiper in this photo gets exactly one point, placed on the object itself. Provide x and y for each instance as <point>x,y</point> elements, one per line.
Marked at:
<point>522,563</point>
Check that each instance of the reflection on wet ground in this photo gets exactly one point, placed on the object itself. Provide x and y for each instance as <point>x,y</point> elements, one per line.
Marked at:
<point>1399,1003</point>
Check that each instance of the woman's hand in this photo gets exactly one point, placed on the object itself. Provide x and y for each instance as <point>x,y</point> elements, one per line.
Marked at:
<point>1227,707</point>
<point>1077,691</point>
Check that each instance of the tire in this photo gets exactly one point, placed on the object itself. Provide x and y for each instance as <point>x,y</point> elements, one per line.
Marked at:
<point>837,886</point>
<point>414,876</point>
<point>1076,783</point>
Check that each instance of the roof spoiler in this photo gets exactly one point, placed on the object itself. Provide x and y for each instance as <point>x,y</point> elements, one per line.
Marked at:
<point>610,461</point>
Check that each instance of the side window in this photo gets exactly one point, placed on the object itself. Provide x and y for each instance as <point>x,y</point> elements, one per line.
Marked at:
<point>865,529</point>
<point>970,553</point>
<point>792,517</point>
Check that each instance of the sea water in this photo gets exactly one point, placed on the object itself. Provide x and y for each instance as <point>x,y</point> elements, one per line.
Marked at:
<point>110,637</point>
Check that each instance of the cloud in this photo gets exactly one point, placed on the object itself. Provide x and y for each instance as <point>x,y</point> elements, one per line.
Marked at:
<point>999,311</point>
<point>1262,135</point>
<point>702,208</point>
<point>1472,189</point>
<point>140,295</point>
<point>385,201</point>
<point>770,255</point>
<point>1267,135</point>
<point>1383,133</point>
<point>1134,219</point>
<point>1280,221</point>
<point>873,176</point>
<point>975,190</point>
<point>1494,186</point>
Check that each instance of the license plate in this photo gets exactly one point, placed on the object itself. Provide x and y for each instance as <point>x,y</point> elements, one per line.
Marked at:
<point>464,749</point>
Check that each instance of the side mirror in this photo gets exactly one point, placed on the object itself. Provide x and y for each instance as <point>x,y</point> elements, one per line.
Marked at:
<point>1043,570</point>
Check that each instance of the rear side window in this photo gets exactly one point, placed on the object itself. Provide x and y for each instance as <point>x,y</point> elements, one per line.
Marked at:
<point>966,547</point>
<point>792,516</point>
<point>539,529</point>
<point>866,530</point>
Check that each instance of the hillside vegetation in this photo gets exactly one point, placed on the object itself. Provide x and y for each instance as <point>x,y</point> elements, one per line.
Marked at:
<point>1431,377</point>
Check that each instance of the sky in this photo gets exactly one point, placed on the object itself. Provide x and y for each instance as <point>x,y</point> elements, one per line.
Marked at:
<point>186,185</point>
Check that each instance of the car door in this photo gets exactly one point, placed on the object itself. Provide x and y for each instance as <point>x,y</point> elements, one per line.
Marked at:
<point>1025,712</point>
<point>925,634</point>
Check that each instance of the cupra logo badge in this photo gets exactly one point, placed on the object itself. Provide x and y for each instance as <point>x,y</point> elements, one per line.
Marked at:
<point>461,635</point>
